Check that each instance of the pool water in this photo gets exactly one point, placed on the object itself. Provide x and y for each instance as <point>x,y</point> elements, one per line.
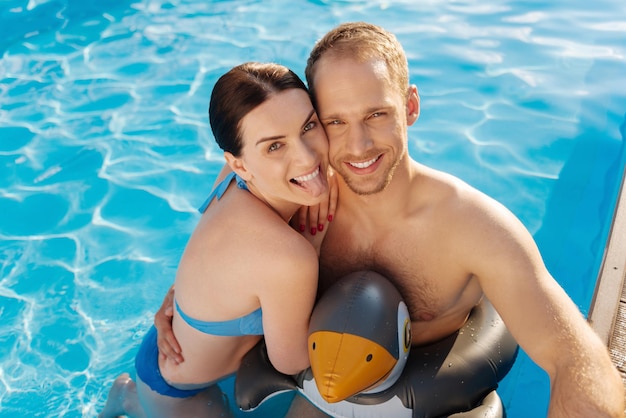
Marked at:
<point>105,152</point>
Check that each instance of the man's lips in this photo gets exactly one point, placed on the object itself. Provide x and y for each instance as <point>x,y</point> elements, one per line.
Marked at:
<point>364,164</point>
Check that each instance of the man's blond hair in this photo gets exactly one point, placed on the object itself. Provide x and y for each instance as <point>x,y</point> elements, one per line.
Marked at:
<point>363,42</point>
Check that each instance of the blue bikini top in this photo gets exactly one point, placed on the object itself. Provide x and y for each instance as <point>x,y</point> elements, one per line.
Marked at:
<point>221,188</point>
<point>250,324</point>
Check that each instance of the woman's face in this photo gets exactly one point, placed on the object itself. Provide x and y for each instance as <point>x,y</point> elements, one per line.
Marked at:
<point>285,150</point>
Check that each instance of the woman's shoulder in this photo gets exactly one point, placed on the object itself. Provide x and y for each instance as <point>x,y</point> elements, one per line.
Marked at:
<point>280,238</point>
<point>245,222</point>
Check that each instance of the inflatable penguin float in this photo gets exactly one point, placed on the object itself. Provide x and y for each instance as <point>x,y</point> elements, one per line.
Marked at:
<point>359,345</point>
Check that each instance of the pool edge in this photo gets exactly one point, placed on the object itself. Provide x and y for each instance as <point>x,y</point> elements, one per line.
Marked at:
<point>607,313</point>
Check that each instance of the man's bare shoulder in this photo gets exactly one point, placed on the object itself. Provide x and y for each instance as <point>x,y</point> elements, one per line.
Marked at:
<point>449,192</point>
<point>460,207</point>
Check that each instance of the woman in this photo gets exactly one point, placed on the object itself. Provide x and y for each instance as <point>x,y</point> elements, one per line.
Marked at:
<point>245,272</point>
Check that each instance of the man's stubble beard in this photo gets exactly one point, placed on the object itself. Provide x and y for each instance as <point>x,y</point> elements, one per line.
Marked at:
<point>385,179</point>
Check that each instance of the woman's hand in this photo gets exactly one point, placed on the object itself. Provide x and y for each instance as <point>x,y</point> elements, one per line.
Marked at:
<point>312,221</point>
<point>166,341</point>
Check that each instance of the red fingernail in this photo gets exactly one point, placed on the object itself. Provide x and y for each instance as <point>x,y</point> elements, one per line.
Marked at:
<point>330,218</point>
<point>320,227</point>
<point>302,228</point>
<point>313,231</point>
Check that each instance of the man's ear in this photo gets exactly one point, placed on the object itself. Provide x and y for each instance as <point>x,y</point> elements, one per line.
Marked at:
<point>412,105</point>
<point>237,165</point>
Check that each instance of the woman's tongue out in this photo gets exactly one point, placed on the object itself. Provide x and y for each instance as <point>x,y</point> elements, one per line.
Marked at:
<point>313,183</point>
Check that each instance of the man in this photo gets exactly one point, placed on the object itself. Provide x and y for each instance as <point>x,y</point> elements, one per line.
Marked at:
<point>444,244</point>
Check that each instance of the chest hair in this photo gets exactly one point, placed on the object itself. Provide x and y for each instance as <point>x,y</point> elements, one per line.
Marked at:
<point>403,270</point>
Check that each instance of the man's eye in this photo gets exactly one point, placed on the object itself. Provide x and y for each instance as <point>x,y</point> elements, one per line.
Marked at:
<point>334,122</point>
<point>309,126</point>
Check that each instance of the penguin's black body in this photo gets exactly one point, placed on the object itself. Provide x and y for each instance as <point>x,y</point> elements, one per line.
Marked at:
<point>456,376</point>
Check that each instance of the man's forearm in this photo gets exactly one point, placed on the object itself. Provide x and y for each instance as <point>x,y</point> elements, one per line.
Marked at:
<point>594,389</point>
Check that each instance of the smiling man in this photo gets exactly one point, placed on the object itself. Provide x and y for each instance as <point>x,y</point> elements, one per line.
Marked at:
<point>444,244</point>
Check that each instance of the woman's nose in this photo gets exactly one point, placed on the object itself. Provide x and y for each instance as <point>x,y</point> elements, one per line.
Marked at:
<point>306,154</point>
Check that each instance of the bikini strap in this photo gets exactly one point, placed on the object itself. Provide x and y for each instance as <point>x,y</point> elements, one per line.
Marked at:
<point>220,189</point>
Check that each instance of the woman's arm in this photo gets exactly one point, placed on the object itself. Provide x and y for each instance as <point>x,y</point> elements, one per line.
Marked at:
<point>287,299</point>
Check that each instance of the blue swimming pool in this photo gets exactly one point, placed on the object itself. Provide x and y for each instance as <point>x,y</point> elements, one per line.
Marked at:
<point>105,151</point>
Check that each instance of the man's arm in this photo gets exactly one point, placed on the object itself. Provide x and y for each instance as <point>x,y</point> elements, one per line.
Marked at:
<point>541,316</point>
<point>166,341</point>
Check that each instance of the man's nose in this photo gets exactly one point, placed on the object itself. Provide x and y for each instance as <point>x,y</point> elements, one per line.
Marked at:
<point>358,139</point>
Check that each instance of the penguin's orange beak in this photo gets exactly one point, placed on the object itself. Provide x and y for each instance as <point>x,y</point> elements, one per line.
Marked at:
<point>344,364</point>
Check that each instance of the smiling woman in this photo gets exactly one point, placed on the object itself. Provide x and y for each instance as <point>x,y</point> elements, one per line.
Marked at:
<point>262,125</point>
<point>223,307</point>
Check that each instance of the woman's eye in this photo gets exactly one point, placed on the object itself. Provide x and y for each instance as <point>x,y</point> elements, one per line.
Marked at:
<point>274,146</point>
<point>377,114</point>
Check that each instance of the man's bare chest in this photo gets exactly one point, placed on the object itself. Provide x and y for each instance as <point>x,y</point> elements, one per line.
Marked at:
<point>404,265</point>
<point>438,297</point>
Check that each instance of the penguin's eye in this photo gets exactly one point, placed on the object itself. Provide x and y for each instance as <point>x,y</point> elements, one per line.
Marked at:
<point>368,358</point>
<point>407,335</point>
<point>313,346</point>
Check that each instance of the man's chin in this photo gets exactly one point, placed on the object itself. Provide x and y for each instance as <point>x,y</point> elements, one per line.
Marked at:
<point>363,188</point>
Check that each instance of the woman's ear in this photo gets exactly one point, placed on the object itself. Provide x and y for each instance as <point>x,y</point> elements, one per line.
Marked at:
<point>237,165</point>
<point>412,105</point>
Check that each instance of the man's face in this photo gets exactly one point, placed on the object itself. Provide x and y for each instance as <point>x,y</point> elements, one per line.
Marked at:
<point>365,119</point>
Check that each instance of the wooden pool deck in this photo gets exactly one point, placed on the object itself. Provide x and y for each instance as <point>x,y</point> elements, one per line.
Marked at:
<point>608,308</point>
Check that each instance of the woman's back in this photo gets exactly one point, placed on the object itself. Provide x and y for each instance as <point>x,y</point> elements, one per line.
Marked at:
<point>242,252</point>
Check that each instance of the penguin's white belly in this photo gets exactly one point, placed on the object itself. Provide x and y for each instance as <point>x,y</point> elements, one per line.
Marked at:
<point>345,409</point>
